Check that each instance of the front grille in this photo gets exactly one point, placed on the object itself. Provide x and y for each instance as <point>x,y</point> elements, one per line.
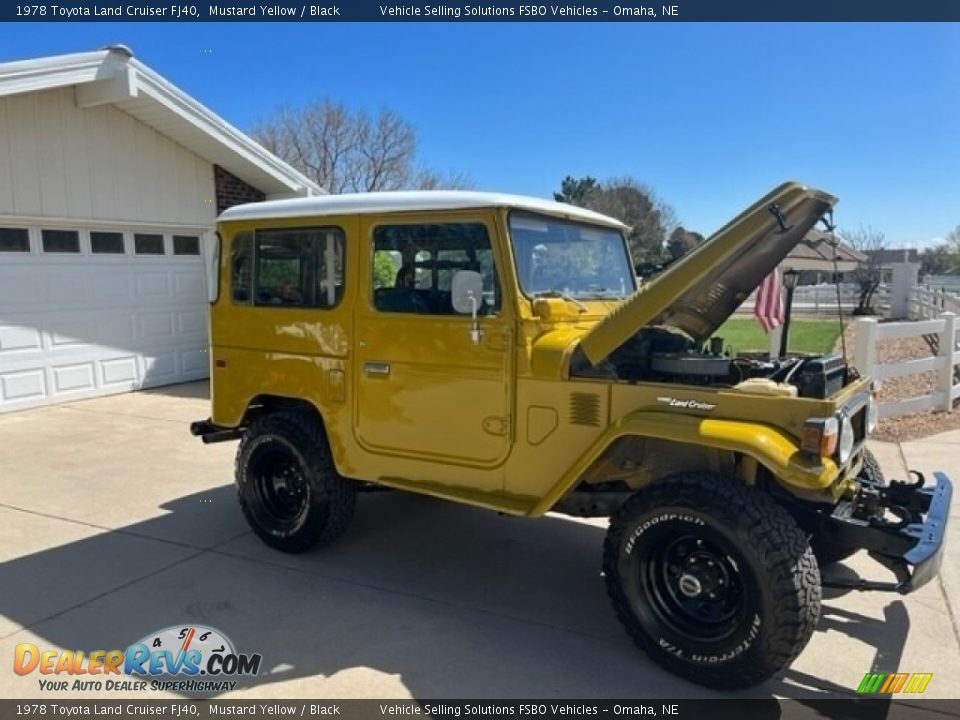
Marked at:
<point>859,423</point>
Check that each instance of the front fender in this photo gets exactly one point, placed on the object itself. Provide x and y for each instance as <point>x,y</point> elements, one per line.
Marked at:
<point>770,447</point>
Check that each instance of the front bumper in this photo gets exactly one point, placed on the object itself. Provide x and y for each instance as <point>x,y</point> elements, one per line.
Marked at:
<point>902,526</point>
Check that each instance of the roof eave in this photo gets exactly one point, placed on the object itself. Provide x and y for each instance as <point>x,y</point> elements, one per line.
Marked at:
<point>113,76</point>
<point>202,118</point>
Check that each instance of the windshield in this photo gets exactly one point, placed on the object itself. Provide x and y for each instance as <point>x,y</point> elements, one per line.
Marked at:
<point>558,257</point>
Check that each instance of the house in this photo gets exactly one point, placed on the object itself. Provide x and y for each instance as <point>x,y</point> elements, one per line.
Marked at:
<point>819,257</point>
<point>110,181</point>
<point>888,259</point>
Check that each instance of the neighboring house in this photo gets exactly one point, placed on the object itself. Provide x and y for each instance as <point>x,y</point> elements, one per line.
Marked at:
<point>110,181</point>
<point>888,258</point>
<point>819,259</point>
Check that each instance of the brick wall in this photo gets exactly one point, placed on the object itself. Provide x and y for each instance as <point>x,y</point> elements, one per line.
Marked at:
<point>231,190</point>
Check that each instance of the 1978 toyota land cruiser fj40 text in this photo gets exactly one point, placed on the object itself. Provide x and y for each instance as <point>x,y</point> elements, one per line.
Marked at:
<point>495,350</point>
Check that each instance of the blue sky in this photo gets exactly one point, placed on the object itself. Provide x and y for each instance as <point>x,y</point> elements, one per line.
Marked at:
<point>711,116</point>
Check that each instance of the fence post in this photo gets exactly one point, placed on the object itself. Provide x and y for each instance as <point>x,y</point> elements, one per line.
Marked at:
<point>774,338</point>
<point>948,350</point>
<point>865,349</point>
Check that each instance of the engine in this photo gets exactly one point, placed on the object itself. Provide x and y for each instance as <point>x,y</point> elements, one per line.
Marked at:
<point>656,354</point>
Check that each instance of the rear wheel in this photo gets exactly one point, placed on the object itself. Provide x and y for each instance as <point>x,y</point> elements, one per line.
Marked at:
<point>713,580</point>
<point>829,552</point>
<point>289,490</point>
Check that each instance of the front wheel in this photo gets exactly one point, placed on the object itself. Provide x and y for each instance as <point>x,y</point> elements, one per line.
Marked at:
<point>713,580</point>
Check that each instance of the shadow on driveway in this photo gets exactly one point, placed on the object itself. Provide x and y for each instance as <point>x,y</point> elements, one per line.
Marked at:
<point>442,601</point>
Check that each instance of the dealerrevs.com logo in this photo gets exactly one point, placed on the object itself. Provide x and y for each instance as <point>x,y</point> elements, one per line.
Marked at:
<point>191,658</point>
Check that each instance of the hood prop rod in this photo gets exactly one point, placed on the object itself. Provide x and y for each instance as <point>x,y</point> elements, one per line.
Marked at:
<point>828,223</point>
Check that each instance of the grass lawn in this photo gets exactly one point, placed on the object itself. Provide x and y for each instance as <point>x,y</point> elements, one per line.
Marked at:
<point>812,336</point>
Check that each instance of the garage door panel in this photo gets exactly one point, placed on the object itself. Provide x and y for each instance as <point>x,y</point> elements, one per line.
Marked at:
<point>192,322</point>
<point>18,338</point>
<point>81,325</point>
<point>119,371</point>
<point>151,286</point>
<point>23,384</point>
<point>194,361</point>
<point>154,325</point>
<point>115,329</point>
<point>160,367</point>
<point>17,287</point>
<point>66,335</point>
<point>110,287</point>
<point>191,284</point>
<point>73,378</point>
<point>62,288</point>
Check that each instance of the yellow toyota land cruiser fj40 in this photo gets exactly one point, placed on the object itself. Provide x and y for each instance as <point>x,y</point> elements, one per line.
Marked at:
<point>495,350</point>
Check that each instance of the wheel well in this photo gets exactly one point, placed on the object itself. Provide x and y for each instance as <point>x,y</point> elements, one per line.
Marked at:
<point>637,461</point>
<point>264,404</point>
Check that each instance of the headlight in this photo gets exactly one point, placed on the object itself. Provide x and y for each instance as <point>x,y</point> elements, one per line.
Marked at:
<point>873,415</point>
<point>845,446</point>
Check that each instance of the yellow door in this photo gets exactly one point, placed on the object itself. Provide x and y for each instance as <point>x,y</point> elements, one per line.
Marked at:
<point>426,387</point>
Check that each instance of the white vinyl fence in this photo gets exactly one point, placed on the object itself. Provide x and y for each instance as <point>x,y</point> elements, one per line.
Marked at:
<point>946,388</point>
<point>925,303</point>
<point>821,300</point>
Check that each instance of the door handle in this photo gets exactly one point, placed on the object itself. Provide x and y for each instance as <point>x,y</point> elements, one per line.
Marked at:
<point>376,368</point>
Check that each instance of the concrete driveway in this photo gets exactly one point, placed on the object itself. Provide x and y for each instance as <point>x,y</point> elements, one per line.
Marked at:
<point>115,523</point>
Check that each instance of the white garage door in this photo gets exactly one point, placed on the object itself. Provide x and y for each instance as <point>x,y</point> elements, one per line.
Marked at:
<point>87,312</point>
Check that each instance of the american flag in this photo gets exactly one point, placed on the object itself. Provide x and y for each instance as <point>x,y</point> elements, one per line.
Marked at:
<point>768,305</point>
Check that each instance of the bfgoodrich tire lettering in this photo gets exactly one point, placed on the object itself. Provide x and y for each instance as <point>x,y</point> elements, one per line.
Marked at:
<point>288,487</point>
<point>712,579</point>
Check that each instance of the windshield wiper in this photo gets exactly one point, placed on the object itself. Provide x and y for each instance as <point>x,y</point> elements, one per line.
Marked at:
<point>560,294</point>
<point>604,293</point>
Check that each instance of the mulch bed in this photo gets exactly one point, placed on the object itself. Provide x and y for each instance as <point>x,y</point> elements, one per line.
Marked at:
<point>916,425</point>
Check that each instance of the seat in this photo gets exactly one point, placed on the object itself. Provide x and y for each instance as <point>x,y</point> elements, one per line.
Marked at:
<point>403,300</point>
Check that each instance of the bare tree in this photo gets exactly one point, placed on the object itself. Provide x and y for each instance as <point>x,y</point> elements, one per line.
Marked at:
<point>346,150</point>
<point>869,273</point>
<point>427,179</point>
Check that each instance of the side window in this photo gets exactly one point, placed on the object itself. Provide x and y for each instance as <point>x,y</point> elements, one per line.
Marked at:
<point>298,267</point>
<point>241,267</point>
<point>414,265</point>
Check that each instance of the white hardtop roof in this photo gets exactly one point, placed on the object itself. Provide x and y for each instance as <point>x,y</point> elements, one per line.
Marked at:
<point>409,201</point>
<point>112,76</point>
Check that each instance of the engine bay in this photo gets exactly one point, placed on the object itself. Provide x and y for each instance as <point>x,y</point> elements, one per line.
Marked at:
<point>659,354</point>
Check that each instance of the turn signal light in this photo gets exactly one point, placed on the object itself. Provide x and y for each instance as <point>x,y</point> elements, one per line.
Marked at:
<point>820,436</point>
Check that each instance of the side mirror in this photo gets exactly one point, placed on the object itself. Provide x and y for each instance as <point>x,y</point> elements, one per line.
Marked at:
<point>467,292</point>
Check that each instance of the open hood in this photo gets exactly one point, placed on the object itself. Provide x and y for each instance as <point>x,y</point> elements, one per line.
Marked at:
<point>701,290</point>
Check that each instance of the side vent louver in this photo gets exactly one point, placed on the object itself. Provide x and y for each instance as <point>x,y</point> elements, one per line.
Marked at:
<point>584,409</point>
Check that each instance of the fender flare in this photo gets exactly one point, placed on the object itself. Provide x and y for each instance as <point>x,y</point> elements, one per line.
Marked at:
<point>769,446</point>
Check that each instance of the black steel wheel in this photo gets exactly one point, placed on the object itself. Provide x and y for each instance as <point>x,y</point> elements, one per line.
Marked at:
<point>288,487</point>
<point>712,579</point>
<point>694,583</point>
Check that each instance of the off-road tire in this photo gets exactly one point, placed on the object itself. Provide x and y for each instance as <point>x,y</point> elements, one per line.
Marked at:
<point>777,574</point>
<point>322,506</point>
<point>829,552</point>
